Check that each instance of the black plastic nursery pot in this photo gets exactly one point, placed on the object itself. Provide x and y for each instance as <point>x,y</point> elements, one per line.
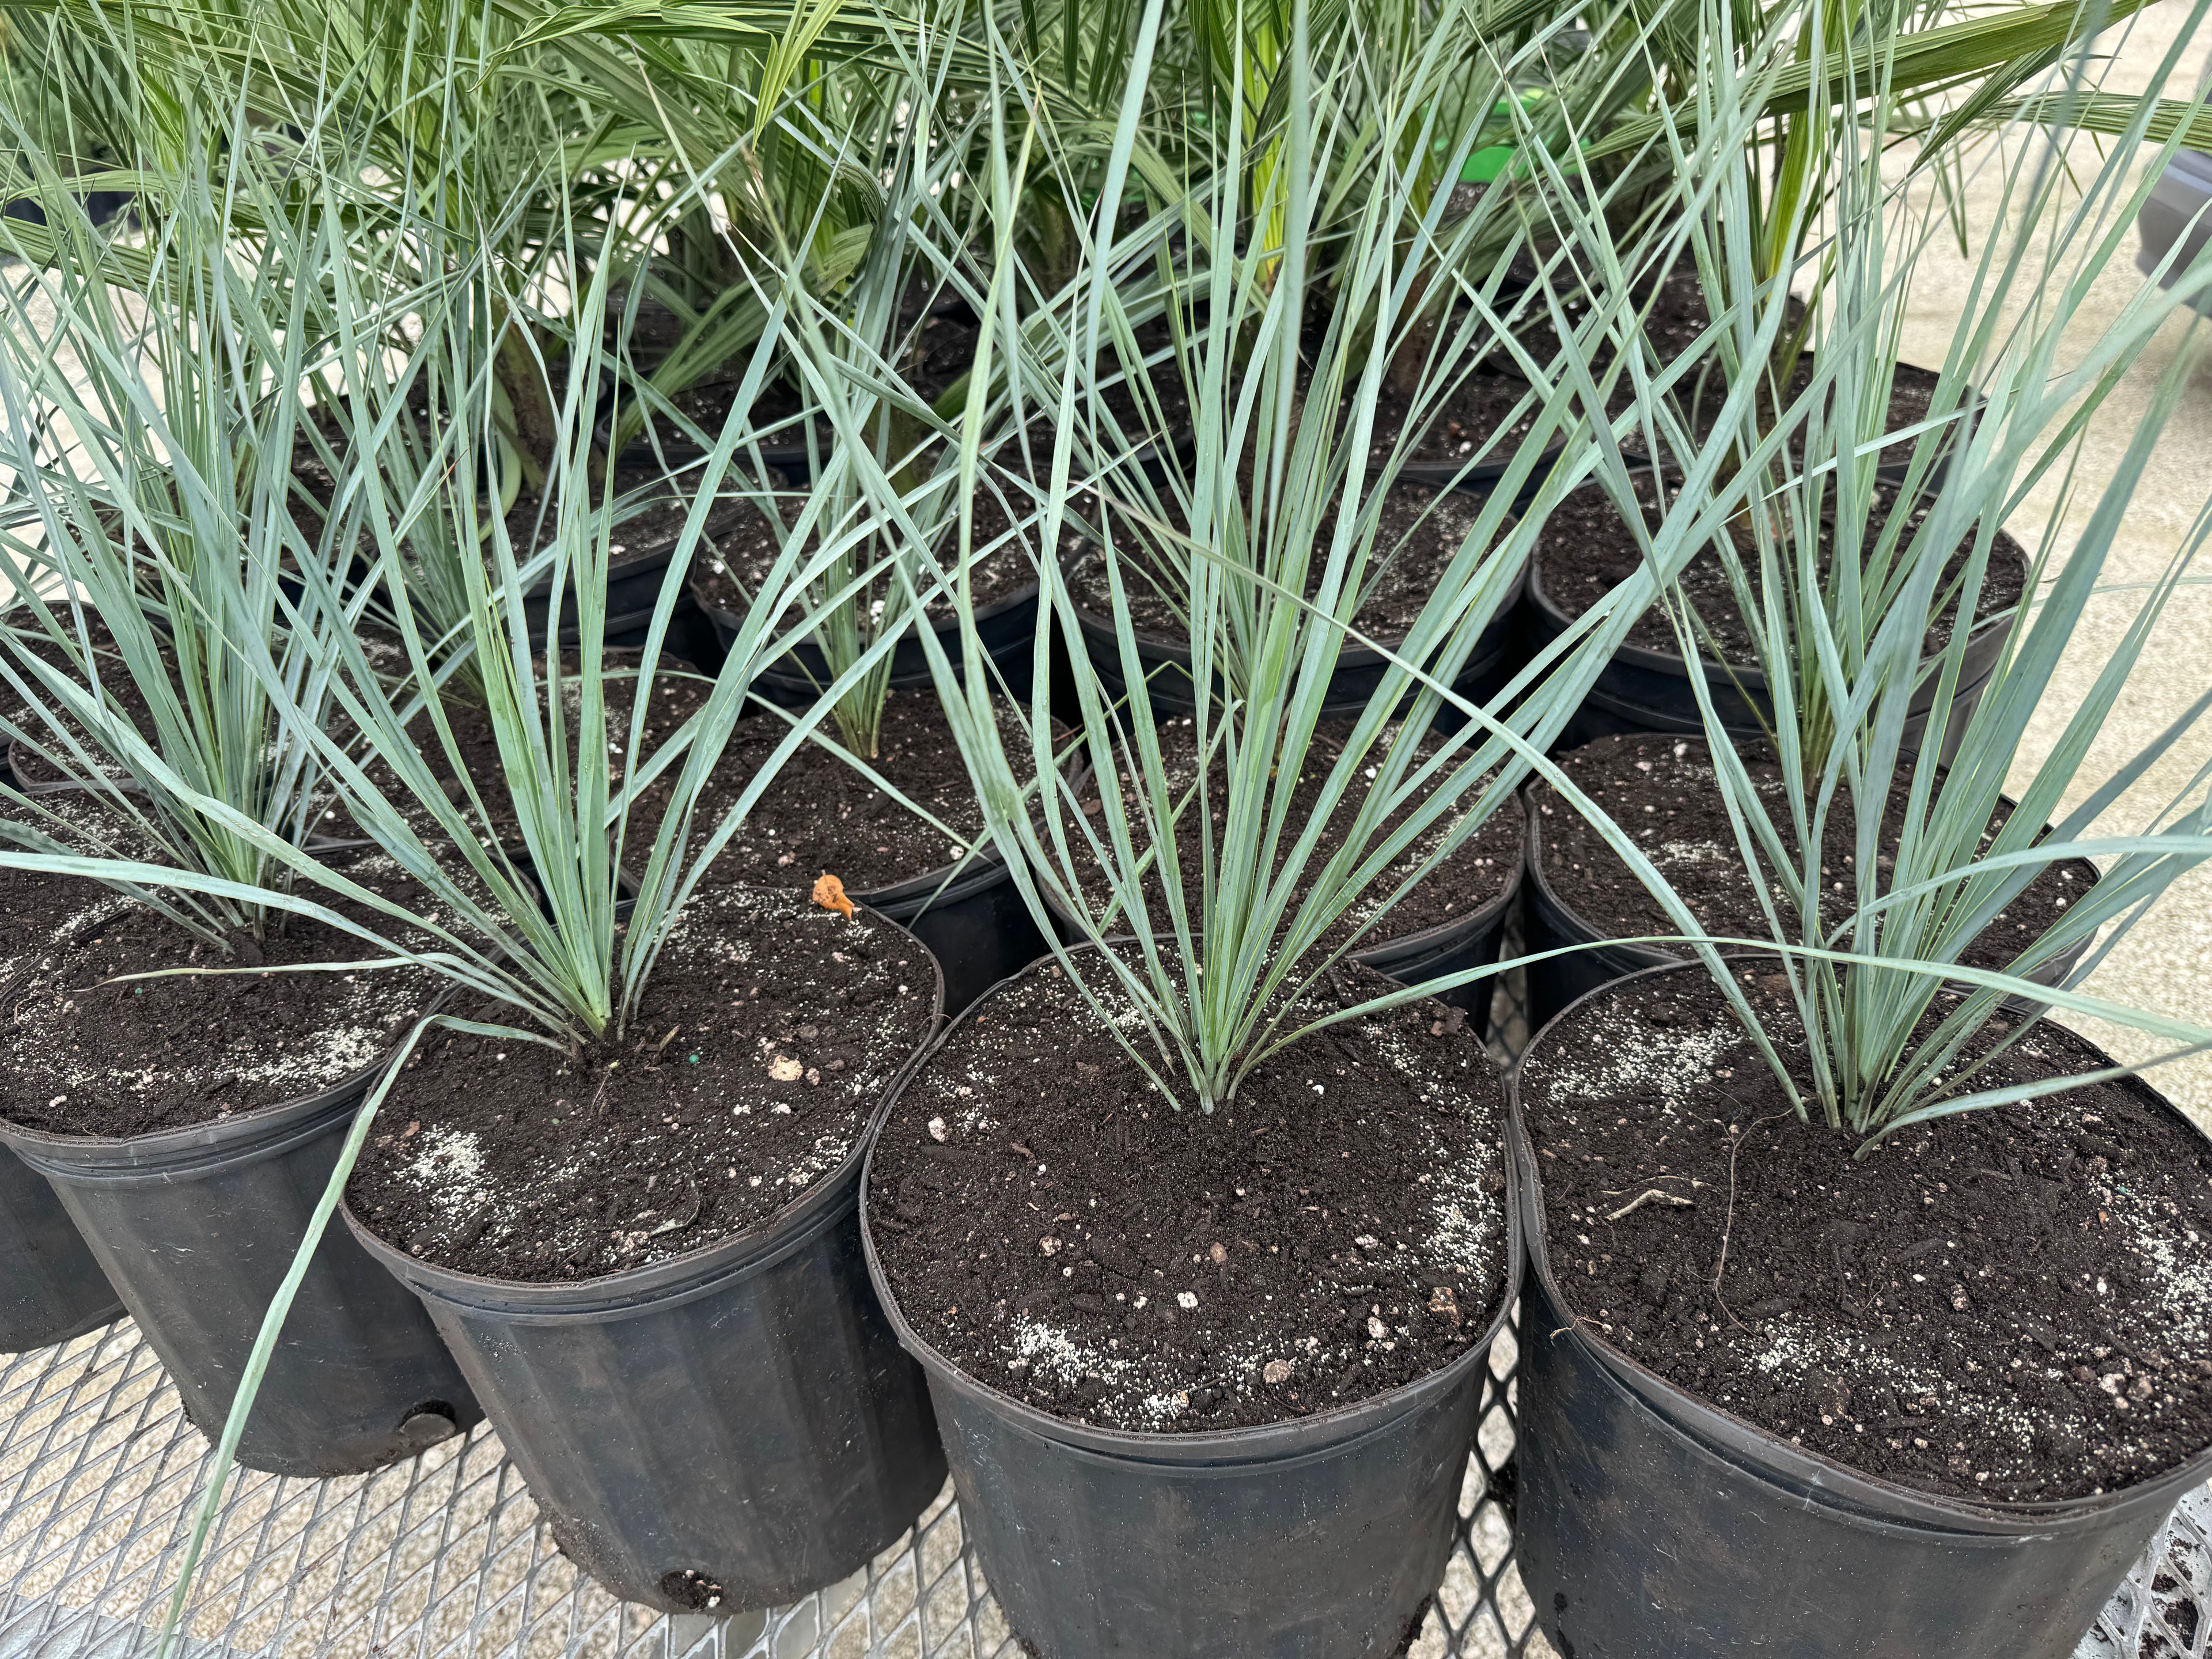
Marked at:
<point>197,1227</point>
<point>634,585</point>
<point>1323,1536</point>
<point>973,920</point>
<point>54,1290</point>
<point>1470,941</point>
<point>1646,691</point>
<point>1485,476</point>
<point>728,1430</point>
<point>1359,676</point>
<point>1550,923</point>
<point>1651,1525</point>
<point>787,455</point>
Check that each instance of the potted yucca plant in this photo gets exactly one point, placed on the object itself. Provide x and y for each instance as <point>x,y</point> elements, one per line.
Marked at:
<point>1202,1234</point>
<point>620,1170</point>
<point>1867,1292</point>
<point>894,815</point>
<point>1893,88</point>
<point>1811,570</point>
<point>178,1102</point>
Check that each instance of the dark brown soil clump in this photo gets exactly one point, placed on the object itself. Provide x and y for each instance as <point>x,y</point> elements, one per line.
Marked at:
<point>1584,551</point>
<point>1479,871</point>
<point>2011,1304</point>
<point>765,1040</point>
<point>1061,1231</point>
<point>1662,791</point>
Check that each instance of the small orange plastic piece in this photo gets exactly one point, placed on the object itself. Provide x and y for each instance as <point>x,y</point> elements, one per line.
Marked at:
<point>830,894</point>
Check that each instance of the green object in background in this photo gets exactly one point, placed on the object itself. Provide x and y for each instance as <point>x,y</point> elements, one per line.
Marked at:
<point>1484,165</point>
<point>1487,164</point>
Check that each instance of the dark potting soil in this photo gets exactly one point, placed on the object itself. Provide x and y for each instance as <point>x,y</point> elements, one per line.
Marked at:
<point>766,1038</point>
<point>1418,532</point>
<point>1584,551</point>
<point>31,770</point>
<point>98,1058</point>
<point>821,814</point>
<point>1481,407</point>
<point>1168,382</point>
<point>2009,1304</point>
<point>746,552</point>
<point>1478,872</point>
<point>1662,789</point>
<point>1912,398</point>
<point>1062,1232</point>
<point>37,908</point>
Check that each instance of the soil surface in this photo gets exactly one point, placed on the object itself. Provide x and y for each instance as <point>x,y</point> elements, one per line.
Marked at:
<point>1480,408</point>
<point>1477,872</point>
<point>1911,397</point>
<point>1419,532</point>
<point>36,907</point>
<point>2010,1305</point>
<point>1584,551</point>
<point>98,1058</point>
<point>1062,1232</point>
<point>1171,389</point>
<point>746,550</point>
<point>31,770</point>
<point>766,1037</point>
<point>1663,790</point>
<point>821,814</point>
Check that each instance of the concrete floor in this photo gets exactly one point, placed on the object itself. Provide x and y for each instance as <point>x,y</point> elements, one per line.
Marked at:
<point>2165,963</point>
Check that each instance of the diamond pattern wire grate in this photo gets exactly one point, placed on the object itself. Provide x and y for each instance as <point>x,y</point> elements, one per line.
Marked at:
<point>444,1557</point>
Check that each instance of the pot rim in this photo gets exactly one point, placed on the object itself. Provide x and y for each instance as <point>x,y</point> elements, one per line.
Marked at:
<point>1027,594</point>
<point>1748,677</point>
<point>771,1235</point>
<point>158,1152</point>
<point>1820,1476</point>
<point>1266,1441</point>
<point>640,560</point>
